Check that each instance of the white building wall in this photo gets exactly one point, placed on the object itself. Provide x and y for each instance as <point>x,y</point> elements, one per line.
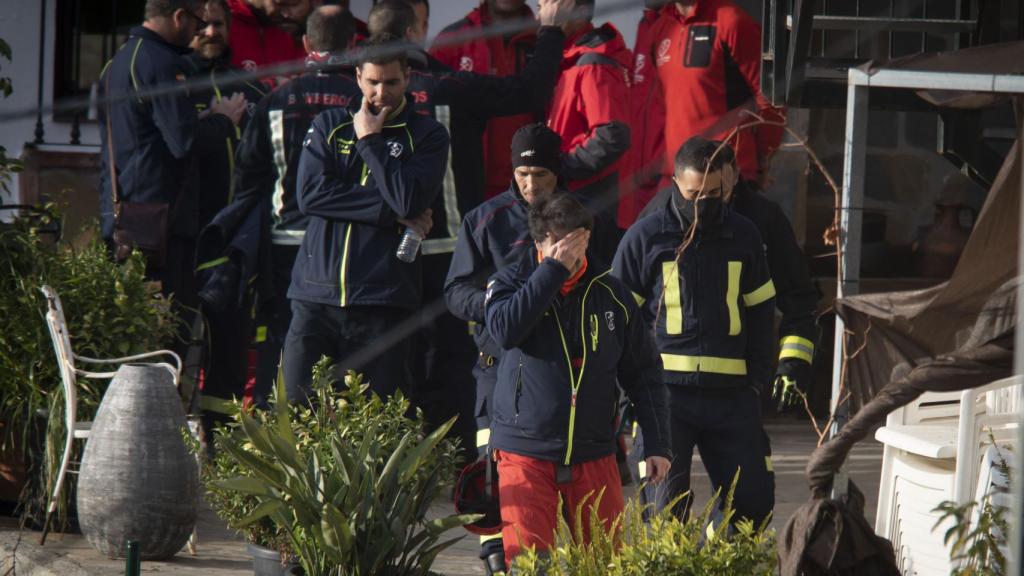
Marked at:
<point>19,27</point>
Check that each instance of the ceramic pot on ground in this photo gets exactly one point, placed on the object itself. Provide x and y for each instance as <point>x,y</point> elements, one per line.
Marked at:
<point>138,480</point>
<point>267,562</point>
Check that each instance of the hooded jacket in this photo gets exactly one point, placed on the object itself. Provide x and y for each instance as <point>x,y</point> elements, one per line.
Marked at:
<point>255,43</point>
<point>495,56</point>
<point>153,136</point>
<point>463,102</point>
<point>709,64</point>
<point>353,190</point>
<point>494,235</point>
<point>590,111</point>
<point>556,397</point>
<point>712,309</point>
<point>268,155</point>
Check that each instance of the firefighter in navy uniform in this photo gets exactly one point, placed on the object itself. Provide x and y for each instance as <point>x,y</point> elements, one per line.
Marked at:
<point>267,165</point>
<point>796,296</point>
<point>368,173</point>
<point>494,235</point>
<point>463,102</point>
<point>711,303</point>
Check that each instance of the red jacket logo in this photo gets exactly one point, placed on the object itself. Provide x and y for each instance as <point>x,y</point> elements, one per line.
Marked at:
<point>663,56</point>
<point>420,97</point>
<point>466,64</point>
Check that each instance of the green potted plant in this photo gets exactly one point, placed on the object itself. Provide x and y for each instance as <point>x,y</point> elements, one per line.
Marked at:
<point>661,546</point>
<point>347,480</point>
<point>111,311</point>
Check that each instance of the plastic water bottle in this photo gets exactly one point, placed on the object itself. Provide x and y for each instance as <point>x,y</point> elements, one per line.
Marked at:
<point>409,246</point>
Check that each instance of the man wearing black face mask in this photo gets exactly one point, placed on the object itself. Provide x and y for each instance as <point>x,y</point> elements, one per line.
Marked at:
<point>700,275</point>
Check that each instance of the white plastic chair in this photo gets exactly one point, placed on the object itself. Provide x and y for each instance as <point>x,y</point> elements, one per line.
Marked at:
<point>931,455</point>
<point>69,373</point>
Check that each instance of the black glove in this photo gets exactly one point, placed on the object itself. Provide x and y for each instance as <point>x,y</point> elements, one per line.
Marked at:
<point>792,380</point>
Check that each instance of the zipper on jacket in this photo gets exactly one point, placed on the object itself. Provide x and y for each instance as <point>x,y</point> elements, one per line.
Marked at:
<point>574,381</point>
<point>343,272</point>
<point>519,386</point>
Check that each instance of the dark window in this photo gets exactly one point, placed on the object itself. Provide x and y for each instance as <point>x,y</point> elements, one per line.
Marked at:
<point>87,34</point>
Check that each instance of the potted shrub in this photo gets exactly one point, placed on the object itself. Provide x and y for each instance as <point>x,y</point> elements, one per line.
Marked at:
<point>348,481</point>
<point>111,311</point>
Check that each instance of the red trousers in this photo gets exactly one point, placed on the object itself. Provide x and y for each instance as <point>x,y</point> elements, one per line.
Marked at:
<point>529,498</point>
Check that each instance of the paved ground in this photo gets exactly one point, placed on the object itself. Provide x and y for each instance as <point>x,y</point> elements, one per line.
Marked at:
<point>220,553</point>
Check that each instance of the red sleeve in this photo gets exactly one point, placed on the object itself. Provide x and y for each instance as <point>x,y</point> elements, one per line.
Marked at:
<point>742,35</point>
<point>604,98</point>
<point>449,54</point>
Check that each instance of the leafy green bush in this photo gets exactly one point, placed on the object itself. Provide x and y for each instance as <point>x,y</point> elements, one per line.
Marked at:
<point>348,481</point>
<point>111,311</point>
<point>664,547</point>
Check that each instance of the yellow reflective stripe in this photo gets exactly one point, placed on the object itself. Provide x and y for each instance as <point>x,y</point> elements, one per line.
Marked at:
<point>412,145</point>
<point>732,297</point>
<point>437,246</point>
<point>625,312</point>
<point>261,334</point>
<point>451,204</point>
<point>218,405</point>
<point>762,294</point>
<point>796,347</point>
<point>638,298</point>
<point>673,298</point>
<point>635,428</point>
<point>211,264</point>
<point>364,176</point>
<point>336,128</point>
<point>641,467</point>
<point>344,264</point>
<point>483,437</point>
<point>768,464</point>
<point>489,537</point>
<point>711,364</point>
<point>231,168</point>
<point>131,68</point>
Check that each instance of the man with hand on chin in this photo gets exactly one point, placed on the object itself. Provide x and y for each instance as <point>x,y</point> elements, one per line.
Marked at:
<point>570,331</point>
<point>366,174</point>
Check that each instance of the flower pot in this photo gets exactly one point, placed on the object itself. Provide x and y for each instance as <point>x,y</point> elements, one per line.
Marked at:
<point>138,480</point>
<point>267,562</point>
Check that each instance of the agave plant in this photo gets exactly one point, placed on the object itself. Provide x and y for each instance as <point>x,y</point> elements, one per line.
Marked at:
<point>349,480</point>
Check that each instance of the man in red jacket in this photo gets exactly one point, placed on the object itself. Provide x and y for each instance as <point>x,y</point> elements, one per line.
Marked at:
<point>708,57</point>
<point>590,111</point>
<point>640,179</point>
<point>500,56</point>
<point>267,32</point>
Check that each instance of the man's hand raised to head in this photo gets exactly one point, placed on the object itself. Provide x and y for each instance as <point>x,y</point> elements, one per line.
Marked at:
<point>365,122</point>
<point>555,12</point>
<point>570,250</point>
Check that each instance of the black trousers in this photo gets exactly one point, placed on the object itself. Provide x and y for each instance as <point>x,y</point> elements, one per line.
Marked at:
<point>355,338</point>
<point>444,357</point>
<point>726,426</point>
<point>272,322</point>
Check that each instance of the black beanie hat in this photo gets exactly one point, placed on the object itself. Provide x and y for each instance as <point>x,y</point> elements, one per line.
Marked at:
<point>537,145</point>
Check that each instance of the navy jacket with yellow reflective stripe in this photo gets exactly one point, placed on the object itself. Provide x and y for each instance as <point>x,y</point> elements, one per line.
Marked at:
<point>494,235</point>
<point>353,191</point>
<point>154,130</point>
<point>587,340</point>
<point>712,312</point>
<point>797,297</point>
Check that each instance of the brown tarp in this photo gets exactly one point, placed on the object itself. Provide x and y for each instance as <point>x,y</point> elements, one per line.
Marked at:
<point>954,336</point>
<point>907,328</point>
